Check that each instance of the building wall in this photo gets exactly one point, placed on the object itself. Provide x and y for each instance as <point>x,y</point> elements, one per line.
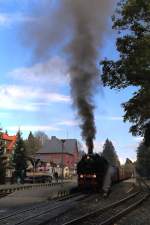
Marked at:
<point>75,155</point>
<point>52,151</point>
<point>68,159</point>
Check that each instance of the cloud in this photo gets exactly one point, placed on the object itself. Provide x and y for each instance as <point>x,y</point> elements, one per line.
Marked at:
<point>98,146</point>
<point>54,71</point>
<point>7,19</point>
<point>4,19</point>
<point>112,118</point>
<point>55,97</point>
<point>68,123</point>
<point>4,115</point>
<point>139,139</point>
<point>25,98</point>
<point>33,128</point>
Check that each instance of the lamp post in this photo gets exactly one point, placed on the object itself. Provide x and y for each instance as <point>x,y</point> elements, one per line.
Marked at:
<point>62,161</point>
<point>33,171</point>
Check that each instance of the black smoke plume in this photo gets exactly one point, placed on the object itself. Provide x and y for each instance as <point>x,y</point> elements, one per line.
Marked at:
<point>76,28</point>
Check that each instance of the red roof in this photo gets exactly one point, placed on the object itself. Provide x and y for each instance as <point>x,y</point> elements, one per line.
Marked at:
<point>11,140</point>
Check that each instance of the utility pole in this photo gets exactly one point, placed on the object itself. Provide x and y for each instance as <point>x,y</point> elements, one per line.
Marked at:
<point>62,162</point>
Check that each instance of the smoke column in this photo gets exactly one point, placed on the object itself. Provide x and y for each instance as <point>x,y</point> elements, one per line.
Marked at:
<point>76,28</point>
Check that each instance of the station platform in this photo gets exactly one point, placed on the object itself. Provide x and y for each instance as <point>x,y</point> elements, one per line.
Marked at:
<point>27,197</point>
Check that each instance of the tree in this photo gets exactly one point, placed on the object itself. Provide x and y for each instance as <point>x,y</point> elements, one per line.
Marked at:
<point>129,167</point>
<point>19,158</point>
<point>3,159</point>
<point>132,21</point>
<point>41,136</point>
<point>143,160</point>
<point>147,135</point>
<point>110,154</point>
<point>32,144</point>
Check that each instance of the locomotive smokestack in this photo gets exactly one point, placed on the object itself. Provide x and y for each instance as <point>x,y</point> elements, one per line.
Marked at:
<point>79,26</point>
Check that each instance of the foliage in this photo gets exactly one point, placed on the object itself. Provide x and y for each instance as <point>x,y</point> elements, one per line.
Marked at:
<point>143,160</point>
<point>41,137</point>
<point>2,160</point>
<point>129,166</point>
<point>132,21</point>
<point>110,154</point>
<point>138,110</point>
<point>32,144</point>
<point>147,135</point>
<point>19,158</point>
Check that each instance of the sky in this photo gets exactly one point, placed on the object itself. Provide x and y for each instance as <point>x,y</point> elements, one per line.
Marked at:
<point>36,96</point>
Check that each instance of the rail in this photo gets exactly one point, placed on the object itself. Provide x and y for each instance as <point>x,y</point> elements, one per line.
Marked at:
<point>103,215</point>
<point>24,216</point>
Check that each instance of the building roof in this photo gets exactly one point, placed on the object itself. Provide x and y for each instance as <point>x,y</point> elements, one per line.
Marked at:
<point>55,146</point>
<point>11,140</point>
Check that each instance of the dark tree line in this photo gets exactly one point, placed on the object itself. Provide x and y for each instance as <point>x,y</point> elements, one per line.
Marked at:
<point>143,160</point>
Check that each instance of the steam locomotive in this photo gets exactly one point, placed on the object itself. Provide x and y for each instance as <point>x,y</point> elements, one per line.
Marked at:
<point>92,169</point>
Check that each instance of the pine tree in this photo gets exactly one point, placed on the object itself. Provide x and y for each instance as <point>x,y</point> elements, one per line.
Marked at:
<point>2,160</point>
<point>143,160</point>
<point>32,145</point>
<point>110,154</point>
<point>129,167</point>
<point>19,158</point>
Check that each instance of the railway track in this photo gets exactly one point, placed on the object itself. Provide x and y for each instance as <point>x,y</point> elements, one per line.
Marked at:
<point>27,216</point>
<point>61,211</point>
<point>111,213</point>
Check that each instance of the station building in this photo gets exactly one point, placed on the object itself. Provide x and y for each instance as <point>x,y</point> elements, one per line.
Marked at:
<point>9,144</point>
<point>60,151</point>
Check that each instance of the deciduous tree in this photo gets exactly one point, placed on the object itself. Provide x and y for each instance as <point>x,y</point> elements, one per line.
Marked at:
<point>132,21</point>
<point>41,136</point>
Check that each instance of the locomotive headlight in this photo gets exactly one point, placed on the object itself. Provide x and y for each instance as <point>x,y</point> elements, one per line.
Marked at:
<point>94,176</point>
<point>81,176</point>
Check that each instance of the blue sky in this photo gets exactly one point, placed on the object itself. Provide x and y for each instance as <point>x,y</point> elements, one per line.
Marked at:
<point>31,100</point>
